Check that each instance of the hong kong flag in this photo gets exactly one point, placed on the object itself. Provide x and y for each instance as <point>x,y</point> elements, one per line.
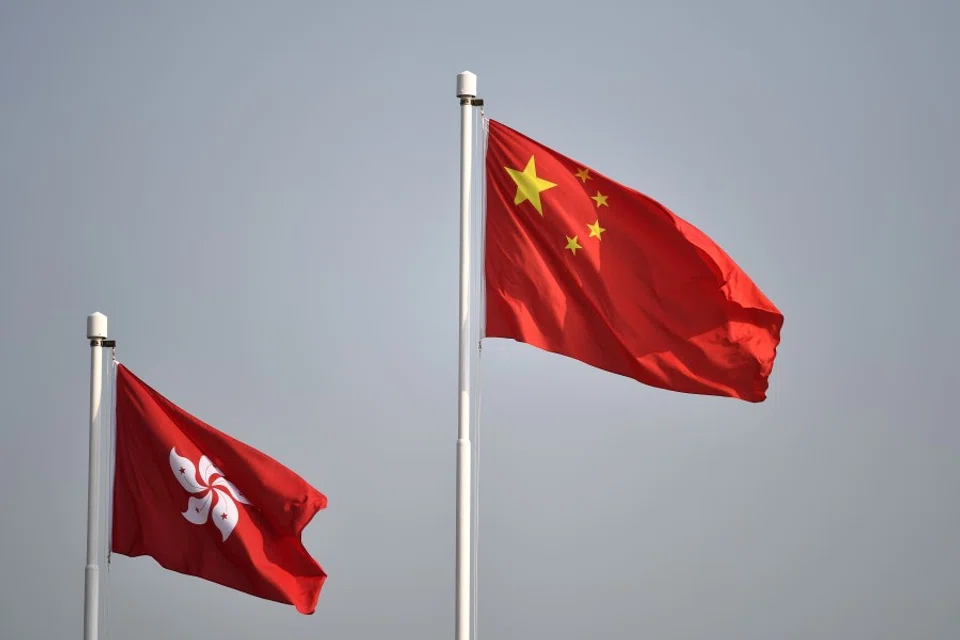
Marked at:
<point>204,504</point>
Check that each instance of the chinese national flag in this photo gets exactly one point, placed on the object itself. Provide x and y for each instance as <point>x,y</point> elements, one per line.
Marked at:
<point>206,505</point>
<point>582,266</point>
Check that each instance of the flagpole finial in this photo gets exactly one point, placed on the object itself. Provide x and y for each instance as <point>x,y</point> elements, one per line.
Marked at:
<point>466,85</point>
<point>96,326</point>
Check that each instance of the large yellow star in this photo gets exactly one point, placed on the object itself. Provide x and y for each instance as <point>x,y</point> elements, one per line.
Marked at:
<point>572,244</point>
<point>600,199</point>
<point>529,185</point>
<point>595,230</point>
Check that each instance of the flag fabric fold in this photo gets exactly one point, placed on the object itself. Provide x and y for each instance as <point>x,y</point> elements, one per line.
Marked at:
<point>580,265</point>
<point>207,505</point>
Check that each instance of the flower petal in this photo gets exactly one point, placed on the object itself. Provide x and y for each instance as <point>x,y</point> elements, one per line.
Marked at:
<point>225,514</point>
<point>199,508</point>
<point>185,472</point>
<point>232,488</point>
<point>207,469</point>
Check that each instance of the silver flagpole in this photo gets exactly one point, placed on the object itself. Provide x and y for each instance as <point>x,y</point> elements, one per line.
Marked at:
<point>97,334</point>
<point>467,93</point>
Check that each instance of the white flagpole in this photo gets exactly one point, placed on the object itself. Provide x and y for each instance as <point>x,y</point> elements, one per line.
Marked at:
<point>97,334</point>
<point>466,92</point>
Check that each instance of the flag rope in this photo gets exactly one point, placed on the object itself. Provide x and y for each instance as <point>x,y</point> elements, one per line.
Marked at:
<point>481,134</point>
<point>107,520</point>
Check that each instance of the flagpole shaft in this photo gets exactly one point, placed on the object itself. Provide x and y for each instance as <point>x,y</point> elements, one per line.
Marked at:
<point>466,90</point>
<point>97,333</point>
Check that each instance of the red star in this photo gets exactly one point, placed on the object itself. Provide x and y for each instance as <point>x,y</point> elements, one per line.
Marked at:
<point>223,516</point>
<point>182,471</point>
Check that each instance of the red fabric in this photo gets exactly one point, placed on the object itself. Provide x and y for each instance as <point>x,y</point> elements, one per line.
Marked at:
<point>653,298</point>
<point>262,555</point>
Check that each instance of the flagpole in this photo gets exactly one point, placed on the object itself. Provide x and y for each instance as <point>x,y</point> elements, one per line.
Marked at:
<point>466,92</point>
<point>97,334</point>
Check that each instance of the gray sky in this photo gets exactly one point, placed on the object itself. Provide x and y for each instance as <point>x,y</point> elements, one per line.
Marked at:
<point>263,200</point>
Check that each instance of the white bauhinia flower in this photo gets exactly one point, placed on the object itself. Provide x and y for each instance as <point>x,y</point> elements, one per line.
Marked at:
<point>217,496</point>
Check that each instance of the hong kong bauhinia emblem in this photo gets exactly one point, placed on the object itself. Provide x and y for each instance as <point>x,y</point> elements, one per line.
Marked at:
<point>212,497</point>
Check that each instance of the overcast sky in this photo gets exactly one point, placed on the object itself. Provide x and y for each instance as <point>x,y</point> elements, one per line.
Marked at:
<point>263,198</point>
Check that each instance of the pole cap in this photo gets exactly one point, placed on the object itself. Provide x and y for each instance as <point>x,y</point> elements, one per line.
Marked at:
<point>466,85</point>
<point>96,326</point>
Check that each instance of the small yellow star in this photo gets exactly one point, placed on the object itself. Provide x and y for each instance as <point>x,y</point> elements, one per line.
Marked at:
<point>600,199</point>
<point>584,175</point>
<point>529,185</point>
<point>595,230</point>
<point>572,244</point>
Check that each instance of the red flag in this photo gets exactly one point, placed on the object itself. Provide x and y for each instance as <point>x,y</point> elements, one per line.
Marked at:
<point>582,266</point>
<point>206,505</point>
